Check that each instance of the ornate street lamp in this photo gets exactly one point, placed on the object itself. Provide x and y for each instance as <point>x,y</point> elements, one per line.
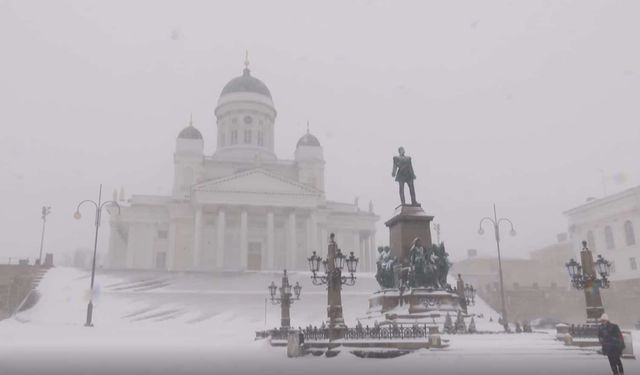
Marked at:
<point>603,267</point>
<point>470,294</point>
<point>585,276</point>
<point>333,266</point>
<point>496,231</point>
<point>284,299</point>
<point>99,206</point>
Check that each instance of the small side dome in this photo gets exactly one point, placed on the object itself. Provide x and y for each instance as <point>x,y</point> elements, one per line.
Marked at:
<point>190,132</point>
<point>308,140</point>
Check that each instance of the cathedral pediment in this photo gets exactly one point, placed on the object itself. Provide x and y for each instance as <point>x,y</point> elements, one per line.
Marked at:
<point>257,181</point>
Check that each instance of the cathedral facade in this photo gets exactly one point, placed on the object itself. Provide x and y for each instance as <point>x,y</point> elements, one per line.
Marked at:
<point>241,208</point>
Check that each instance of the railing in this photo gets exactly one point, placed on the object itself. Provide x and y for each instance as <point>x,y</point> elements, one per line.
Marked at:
<point>389,333</point>
<point>583,331</point>
<point>398,332</point>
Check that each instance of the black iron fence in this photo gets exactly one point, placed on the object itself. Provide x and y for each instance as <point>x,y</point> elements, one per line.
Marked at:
<point>395,332</point>
<point>398,332</point>
<point>587,330</point>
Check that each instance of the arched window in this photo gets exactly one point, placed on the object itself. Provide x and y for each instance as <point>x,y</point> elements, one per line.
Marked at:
<point>591,241</point>
<point>247,136</point>
<point>629,234</point>
<point>234,137</point>
<point>608,238</point>
<point>260,138</point>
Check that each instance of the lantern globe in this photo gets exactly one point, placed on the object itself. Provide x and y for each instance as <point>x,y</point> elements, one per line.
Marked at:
<point>338,261</point>
<point>352,263</point>
<point>572,268</point>
<point>272,289</point>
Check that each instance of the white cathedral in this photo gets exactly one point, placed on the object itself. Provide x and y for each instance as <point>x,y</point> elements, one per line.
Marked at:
<point>241,208</point>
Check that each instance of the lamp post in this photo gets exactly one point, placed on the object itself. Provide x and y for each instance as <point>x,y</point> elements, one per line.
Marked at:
<point>99,206</point>
<point>46,210</point>
<point>334,280</point>
<point>285,298</point>
<point>436,228</point>
<point>466,293</point>
<point>585,276</point>
<point>496,230</point>
<point>470,294</point>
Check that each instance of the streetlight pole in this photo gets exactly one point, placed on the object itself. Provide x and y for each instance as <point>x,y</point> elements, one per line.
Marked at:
<point>99,206</point>
<point>585,276</point>
<point>496,230</point>
<point>285,299</point>
<point>436,227</point>
<point>333,266</point>
<point>46,210</point>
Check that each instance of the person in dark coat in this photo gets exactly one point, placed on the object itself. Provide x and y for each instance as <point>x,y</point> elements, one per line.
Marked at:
<point>612,343</point>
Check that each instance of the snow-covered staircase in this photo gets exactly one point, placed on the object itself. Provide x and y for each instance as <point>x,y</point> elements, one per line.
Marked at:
<point>17,286</point>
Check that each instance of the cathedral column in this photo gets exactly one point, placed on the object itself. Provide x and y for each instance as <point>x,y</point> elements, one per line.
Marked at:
<point>244,243</point>
<point>324,241</point>
<point>291,239</point>
<point>372,248</point>
<point>197,239</point>
<point>271,256</point>
<point>312,234</point>
<point>171,251</point>
<point>363,248</point>
<point>220,227</point>
<point>357,249</point>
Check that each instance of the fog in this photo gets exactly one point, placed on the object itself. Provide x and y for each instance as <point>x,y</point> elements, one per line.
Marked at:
<point>531,105</point>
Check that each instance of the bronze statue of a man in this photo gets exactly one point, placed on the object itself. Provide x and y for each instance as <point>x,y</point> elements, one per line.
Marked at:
<point>403,172</point>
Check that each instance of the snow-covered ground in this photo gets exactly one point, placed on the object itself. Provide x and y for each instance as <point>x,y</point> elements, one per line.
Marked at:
<point>148,322</point>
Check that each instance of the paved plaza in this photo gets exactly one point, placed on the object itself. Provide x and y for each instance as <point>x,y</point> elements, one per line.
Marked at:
<point>202,324</point>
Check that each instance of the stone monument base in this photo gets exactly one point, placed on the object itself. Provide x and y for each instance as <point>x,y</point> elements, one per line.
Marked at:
<point>415,306</point>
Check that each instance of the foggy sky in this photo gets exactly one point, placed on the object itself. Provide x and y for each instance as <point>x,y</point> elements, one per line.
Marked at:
<point>522,103</point>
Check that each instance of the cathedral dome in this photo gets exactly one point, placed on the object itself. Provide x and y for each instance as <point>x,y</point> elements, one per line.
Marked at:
<point>246,83</point>
<point>308,140</point>
<point>190,132</point>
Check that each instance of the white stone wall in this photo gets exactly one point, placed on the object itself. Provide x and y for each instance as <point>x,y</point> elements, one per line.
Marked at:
<point>613,212</point>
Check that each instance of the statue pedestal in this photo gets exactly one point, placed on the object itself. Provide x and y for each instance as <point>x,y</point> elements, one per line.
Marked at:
<point>413,305</point>
<point>407,223</point>
<point>430,299</point>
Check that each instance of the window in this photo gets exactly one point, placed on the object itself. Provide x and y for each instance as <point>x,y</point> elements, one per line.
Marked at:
<point>608,237</point>
<point>234,137</point>
<point>221,139</point>
<point>591,241</point>
<point>633,264</point>
<point>629,234</point>
<point>260,138</point>
<point>162,234</point>
<point>247,136</point>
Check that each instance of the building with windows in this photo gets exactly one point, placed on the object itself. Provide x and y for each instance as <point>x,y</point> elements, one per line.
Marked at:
<point>539,287</point>
<point>241,208</point>
<point>610,225</point>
